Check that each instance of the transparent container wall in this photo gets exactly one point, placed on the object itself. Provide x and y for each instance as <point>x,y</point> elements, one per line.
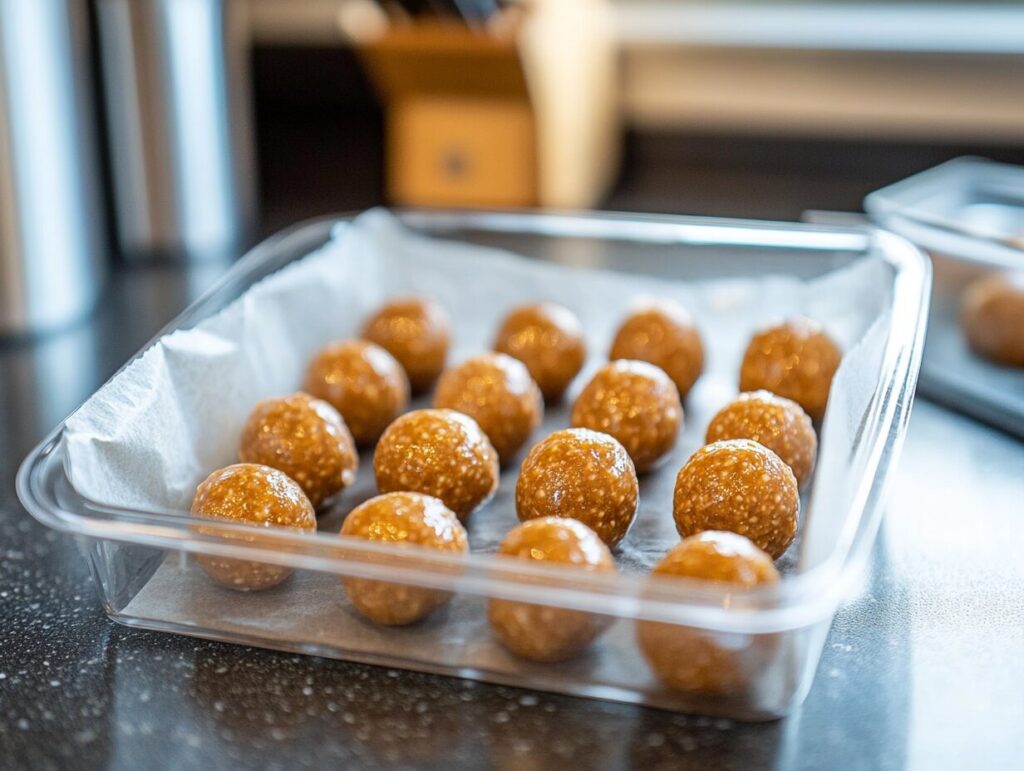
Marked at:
<point>736,675</point>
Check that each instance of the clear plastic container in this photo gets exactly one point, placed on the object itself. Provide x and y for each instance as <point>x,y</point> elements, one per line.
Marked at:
<point>968,213</point>
<point>767,642</point>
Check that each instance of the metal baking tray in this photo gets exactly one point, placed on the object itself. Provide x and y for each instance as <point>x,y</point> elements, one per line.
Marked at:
<point>968,214</point>
<point>126,548</point>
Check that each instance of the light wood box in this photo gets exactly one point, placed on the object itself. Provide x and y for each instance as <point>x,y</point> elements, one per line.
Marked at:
<point>524,117</point>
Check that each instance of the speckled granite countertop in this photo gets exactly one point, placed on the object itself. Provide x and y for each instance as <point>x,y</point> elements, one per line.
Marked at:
<point>923,667</point>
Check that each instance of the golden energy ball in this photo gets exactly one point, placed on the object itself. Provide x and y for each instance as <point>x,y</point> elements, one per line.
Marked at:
<point>779,424</point>
<point>993,318</point>
<point>635,402</point>
<point>663,334</point>
<point>255,495</point>
<point>740,486</point>
<point>698,661</point>
<point>305,438</point>
<point>408,519</point>
<point>539,632</point>
<point>499,394</point>
<point>796,360</point>
<point>417,332</point>
<point>442,453</point>
<point>580,474</point>
<point>363,382</point>
<point>548,339</point>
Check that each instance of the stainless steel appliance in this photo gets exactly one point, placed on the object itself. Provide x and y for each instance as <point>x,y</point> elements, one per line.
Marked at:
<point>51,267</point>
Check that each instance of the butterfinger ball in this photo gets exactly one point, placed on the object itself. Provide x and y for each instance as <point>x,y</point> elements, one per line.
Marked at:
<point>417,332</point>
<point>993,318</point>
<point>637,404</point>
<point>539,632</point>
<point>580,474</point>
<point>363,382</point>
<point>305,438</point>
<point>663,334</point>
<point>499,394</point>
<point>779,424</point>
<point>409,519</point>
<point>796,360</point>
<point>548,339</point>
<point>699,661</point>
<point>255,495</point>
<point>740,486</point>
<point>442,453</point>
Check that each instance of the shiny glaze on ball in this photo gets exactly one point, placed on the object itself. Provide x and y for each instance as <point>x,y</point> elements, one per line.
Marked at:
<point>740,486</point>
<point>779,424</point>
<point>796,360</point>
<point>698,661</point>
<point>417,332</point>
<point>363,382</point>
<point>499,394</point>
<point>442,453</point>
<point>255,495</point>
<point>580,474</point>
<point>993,318</point>
<point>548,339</point>
<point>305,438</point>
<point>407,519</point>
<point>663,334</point>
<point>638,404</point>
<point>539,632</point>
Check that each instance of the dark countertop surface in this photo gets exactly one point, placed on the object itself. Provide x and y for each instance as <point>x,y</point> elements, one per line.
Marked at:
<point>922,668</point>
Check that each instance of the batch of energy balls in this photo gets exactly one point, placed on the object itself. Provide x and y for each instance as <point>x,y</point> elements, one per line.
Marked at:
<point>736,501</point>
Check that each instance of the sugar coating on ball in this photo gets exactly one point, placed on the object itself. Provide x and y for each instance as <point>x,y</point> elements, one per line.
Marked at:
<point>363,382</point>
<point>638,404</point>
<point>993,317</point>
<point>583,475</point>
<point>498,393</point>
<point>699,661</point>
<point>662,333</point>
<point>407,519</point>
<point>548,339</point>
<point>255,495</point>
<point>796,360</point>
<point>540,632</point>
<point>442,453</point>
<point>417,332</point>
<point>740,486</point>
<point>779,424</point>
<point>305,438</point>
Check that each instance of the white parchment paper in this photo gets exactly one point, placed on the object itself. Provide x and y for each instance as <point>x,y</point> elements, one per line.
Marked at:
<point>148,437</point>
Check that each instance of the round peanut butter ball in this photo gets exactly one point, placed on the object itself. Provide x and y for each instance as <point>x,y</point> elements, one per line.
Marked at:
<point>580,474</point>
<point>442,453</point>
<point>305,438</point>
<point>548,339</point>
<point>663,334</point>
<point>740,486</point>
<point>499,394</point>
<point>993,318</point>
<point>363,382</point>
<point>255,495</point>
<point>698,661</point>
<point>408,519</point>
<point>796,360</point>
<point>539,632</point>
<point>417,332</point>
<point>638,404</point>
<point>779,424</point>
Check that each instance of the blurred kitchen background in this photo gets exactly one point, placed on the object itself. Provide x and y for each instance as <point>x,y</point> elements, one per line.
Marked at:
<point>169,129</point>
